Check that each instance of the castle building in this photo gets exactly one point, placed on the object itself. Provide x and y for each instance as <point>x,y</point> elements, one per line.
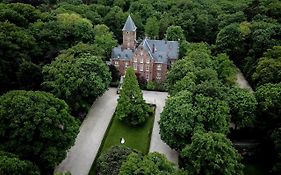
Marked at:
<point>151,59</point>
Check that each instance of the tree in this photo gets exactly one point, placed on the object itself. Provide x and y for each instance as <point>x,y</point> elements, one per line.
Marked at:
<point>109,162</point>
<point>211,153</point>
<point>186,113</point>
<point>104,39</point>
<point>78,80</point>
<point>152,27</point>
<point>131,107</point>
<point>242,104</point>
<point>179,70</point>
<point>268,69</point>
<point>175,33</point>
<point>268,97</point>
<point>11,164</point>
<point>152,163</point>
<point>17,45</point>
<point>40,123</point>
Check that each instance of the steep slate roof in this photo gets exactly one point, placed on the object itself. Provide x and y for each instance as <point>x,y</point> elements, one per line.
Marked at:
<point>129,25</point>
<point>163,50</point>
<point>120,53</point>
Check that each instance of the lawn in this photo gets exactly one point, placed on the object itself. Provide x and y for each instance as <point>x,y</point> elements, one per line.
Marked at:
<point>136,137</point>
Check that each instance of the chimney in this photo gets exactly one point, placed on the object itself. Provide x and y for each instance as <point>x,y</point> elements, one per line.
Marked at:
<point>153,48</point>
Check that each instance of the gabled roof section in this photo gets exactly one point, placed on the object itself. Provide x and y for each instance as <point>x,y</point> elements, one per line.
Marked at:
<point>160,50</point>
<point>129,25</point>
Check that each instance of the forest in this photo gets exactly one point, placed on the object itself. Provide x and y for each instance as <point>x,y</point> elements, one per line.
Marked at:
<point>53,57</point>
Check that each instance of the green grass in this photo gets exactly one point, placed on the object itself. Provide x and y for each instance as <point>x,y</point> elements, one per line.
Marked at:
<point>136,137</point>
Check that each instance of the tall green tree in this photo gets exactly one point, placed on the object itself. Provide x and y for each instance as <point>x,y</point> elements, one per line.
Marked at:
<point>175,33</point>
<point>78,80</point>
<point>153,163</point>
<point>11,164</point>
<point>186,113</point>
<point>39,127</point>
<point>131,107</point>
<point>268,69</point>
<point>104,39</point>
<point>152,28</point>
<point>211,153</point>
<point>269,107</point>
<point>242,104</point>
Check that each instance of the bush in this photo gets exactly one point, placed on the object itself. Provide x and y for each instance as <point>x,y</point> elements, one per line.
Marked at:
<point>11,164</point>
<point>110,161</point>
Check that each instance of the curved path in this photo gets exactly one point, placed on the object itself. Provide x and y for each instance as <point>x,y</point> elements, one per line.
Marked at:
<point>81,156</point>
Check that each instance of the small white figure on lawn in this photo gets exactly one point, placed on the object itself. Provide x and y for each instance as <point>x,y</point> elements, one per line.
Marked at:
<point>122,140</point>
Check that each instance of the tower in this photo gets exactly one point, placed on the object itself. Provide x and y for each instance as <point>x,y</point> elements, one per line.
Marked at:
<point>129,34</point>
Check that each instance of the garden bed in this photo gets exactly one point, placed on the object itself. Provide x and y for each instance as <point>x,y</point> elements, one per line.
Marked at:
<point>136,137</point>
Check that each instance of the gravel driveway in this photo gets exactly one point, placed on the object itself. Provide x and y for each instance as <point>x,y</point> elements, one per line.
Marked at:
<point>81,156</point>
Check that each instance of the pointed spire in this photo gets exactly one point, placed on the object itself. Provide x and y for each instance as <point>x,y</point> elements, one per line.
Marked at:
<point>129,25</point>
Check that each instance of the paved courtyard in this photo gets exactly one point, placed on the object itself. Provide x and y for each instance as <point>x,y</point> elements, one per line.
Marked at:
<point>81,156</point>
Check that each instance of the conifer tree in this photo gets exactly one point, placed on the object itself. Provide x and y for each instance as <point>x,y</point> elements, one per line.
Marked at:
<point>131,107</point>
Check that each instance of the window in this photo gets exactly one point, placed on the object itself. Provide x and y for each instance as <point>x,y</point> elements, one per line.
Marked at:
<point>135,66</point>
<point>159,66</point>
<point>158,76</point>
<point>147,61</point>
<point>141,53</point>
<point>126,64</point>
<point>116,63</point>
<point>147,77</point>
<point>135,60</point>
<point>147,68</point>
<point>141,67</point>
<point>141,60</point>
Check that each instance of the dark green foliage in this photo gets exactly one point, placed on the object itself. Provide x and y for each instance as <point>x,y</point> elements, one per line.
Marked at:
<point>131,107</point>
<point>211,153</point>
<point>78,80</point>
<point>268,69</point>
<point>11,164</point>
<point>39,127</point>
<point>242,104</point>
<point>110,161</point>
<point>152,163</point>
<point>269,107</point>
<point>186,113</point>
<point>276,137</point>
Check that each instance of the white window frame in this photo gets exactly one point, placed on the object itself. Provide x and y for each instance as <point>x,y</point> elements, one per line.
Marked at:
<point>147,77</point>
<point>116,63</point>
<point>141,67</point>
<point>126,64</point>
<point>135,59</point>
<point>141,60</point>
<point>147,61</point>
<point>159,66</point>
<point>135,66</point>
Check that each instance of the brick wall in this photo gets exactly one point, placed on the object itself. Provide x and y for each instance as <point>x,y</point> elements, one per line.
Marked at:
<point>129,40</point>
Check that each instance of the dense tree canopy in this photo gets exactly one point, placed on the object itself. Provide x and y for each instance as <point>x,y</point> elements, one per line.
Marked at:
<point>39,127</point>
<point>242,104</point>
<point>152,163</point>
<point>11,164</point>
<point>184,114</point>
<point>131,107</point>
<point>109,163</point>
<point>78,80</point>
<point>211,153</point>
